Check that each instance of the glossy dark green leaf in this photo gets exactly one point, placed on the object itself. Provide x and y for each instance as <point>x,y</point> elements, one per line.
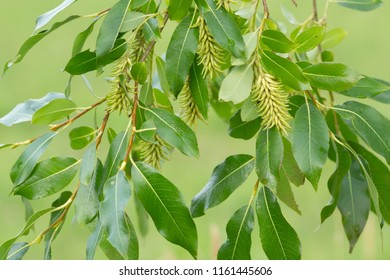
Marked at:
<point>81,136</point>
<point>181,52</point>
<point>88,165</point>
<point>225,179</point>
<point>223,27</point>
<point>45,18</point>
<point>54,110</point>
<point>48,177</point>
<point>360,5</point>
<point>132,21</point>
<point>284,191</point>
<point>333,38</point>
<point>289,73</point>
<point>269,156</point>
<point>366,88</point>
<point>112,213</point>
<point>277,41</point>
<point>237,85</point>
<point>278,237</point>
<point>331,76</point>
<point>162,75</point>
<point>161,100</point>
<point>310,38</point>
<point>23,112</point>
<point>310,142</point>
<point>178,9</point>
<point>380,175</point>
<point>175,131</point>
<point>290,165</point>
<point>25,164</point>
<point>369,124</point>
<point>343,165</point>
<point>239,230</point>
<point>346,132</point>
<point>33,40</point>
<point>151,30</point>
<point>110,28</point>
<point>354,203</point>
<point>139,73</point>
<point>199,89</point>
<point>18,250</point>
<point>243,130</point>
<point>165,204</point>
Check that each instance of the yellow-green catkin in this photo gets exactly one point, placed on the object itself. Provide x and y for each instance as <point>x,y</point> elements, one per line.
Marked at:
<point>137,48</point>
<point>120,97</point>
<point>271,100</point>
<point>189,112</point>
<point>225,4</point>
<point>154,153</point>
<point>210,53</point>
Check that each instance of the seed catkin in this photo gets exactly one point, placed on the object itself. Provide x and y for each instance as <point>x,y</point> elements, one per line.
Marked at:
<point>189,112</point>
<point>154,153</point>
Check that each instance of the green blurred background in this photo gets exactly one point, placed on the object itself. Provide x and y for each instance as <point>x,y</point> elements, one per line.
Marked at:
<point>366,49</point>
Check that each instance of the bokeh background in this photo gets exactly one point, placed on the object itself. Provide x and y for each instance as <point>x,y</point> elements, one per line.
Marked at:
<point>366,49</point>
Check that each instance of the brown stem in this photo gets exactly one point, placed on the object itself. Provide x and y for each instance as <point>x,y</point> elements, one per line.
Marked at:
<point>102,129</point>
<point>266,10</point>
<point>58,126</point>
<point>315,10</point>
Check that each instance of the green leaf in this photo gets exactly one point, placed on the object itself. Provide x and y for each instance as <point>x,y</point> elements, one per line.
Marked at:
<point>343,165</point>
<point>199,89</point>
<point>45,18</point>
<point>289,73</point>
<point>237,85</point>
<point>162,101</point>
<point>310,38</point>
<point>142,215</point>
<point>139,73</point>
<point>243,130</point>
<point>223,27</point>
<point>290,166</point>
<point>33,40</point>
<point>48,177</point>
<point>310,142</point>
<point>162,75</point>
<point>112,213</point>
<point>151,30</point>
<point>82,37</point>
<point>331,76</point>
<point>25,164</point>
<point>380,175</point>
<point>269,156</point>
<point>278,238</point>
<point>93,241</point>
<point>88,164</point>
<point>81,136</point>
<point>225,179</point>
<point>284,191</point>
<point>54,110</point>
<point>360,5</point>
<point>369,124</point>
<point>110,28</point>
<point>366,88</point>
<point>175,131</point>
<point>333,38</point>
<point>239,230</point>
<point>181,52</point>
<point>18,250</point>
<point>86,61</point>
<point>277,41</point>
<point>178,9</point>
<point>132,21</point>
<point>23,112</point>
<point>354,203</point>
<point>165,204</point>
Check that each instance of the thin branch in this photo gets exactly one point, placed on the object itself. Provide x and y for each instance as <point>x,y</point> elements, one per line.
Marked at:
<point>102,129</point>
<point>266,10</point>
<point>315,10</point>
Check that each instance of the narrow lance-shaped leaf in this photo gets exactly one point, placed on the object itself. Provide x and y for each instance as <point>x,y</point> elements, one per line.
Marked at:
<point>343,165</point>
<point>277,41</point>
<point>225,179</point>
<point>165,204</point>
<point>25,164</point>
<point>284,191</point>
<point>48,177</point>
<point>112,214</point>
<point>237,85</point>
<point>177,9</point>
<point>241,129</point>
<point>18,250</point>
<point>369,124</point>
<point>132,21</point>
<point>354,203</point>
<point>310,38</point>
<point>223,27</point>
<point>310,142</point>
<point>23,112</point>
<point>181,52</point>
<point>290,165</point>
<point>151,30</point>
<point>110,28</point>
<point>360,5</point>
<point>199,89</point>
<point>239,230</point>
<point>175,131</point>
<point>45,18</point>
<point>366,88</point>
<point>162,75</point>
<point>333,38</point>
<point>269,156</point>
<point>33,40</point>
<point>278,238</point>
<point>54,110</point>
